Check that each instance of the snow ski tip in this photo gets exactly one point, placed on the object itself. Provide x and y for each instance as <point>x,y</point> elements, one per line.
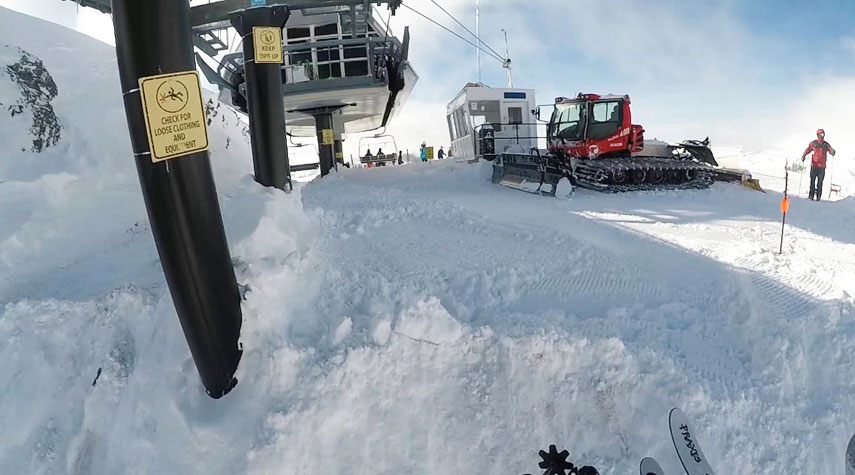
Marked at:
<point>687,445</point>
<point>650,467</point>
<point>850,457</point>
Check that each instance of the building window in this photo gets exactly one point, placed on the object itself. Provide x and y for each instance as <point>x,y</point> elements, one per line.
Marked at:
<point>298,33</point>
<point>515,115</point>
<point>329,61</point>
<point>328,29</point>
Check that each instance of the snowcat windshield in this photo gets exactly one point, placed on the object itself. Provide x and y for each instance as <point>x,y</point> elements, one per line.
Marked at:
<point>566,121</point>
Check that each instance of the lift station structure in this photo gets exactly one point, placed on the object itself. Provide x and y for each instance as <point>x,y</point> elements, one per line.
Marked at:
<point>343,69</point>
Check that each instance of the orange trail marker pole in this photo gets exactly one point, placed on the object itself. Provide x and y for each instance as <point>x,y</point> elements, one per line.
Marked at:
<point>785,206</point>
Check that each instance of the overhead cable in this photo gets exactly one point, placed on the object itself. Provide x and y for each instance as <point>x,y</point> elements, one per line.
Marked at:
<point>465,28</point>
<point>489,53</point>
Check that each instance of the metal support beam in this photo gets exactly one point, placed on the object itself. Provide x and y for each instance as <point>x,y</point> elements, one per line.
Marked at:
<point>324,128</point>
<point>218,11</point>
<point>325,132</point>
<point>333,43</point>
<point>265,104</point>
<point>337,148</point>
<point>153,38</point>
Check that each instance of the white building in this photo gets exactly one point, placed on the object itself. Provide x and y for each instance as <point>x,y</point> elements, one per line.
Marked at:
<point>505,114</point>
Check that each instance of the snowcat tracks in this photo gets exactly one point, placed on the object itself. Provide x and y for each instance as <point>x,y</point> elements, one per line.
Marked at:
<point>539,175</point>
<point>615,175</point>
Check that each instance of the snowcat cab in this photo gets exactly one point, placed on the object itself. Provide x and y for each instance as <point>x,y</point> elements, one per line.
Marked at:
<point>592,126</point>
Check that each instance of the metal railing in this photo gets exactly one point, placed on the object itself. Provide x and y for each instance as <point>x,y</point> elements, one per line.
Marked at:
<point>486,136</point>
<point>332,59</point>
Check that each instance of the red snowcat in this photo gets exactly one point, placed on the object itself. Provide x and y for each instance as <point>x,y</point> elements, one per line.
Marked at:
<point>594,144</point>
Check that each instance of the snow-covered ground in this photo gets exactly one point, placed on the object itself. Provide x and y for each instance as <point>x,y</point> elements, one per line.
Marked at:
<point>409,320</point>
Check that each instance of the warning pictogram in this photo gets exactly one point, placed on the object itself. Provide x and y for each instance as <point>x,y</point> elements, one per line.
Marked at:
<point>327,137</point>
<point>267,42</point>
<point>174,116</point>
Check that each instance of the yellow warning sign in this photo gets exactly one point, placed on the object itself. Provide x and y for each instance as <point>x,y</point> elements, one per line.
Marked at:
<point>174,116</point>
<point>429,153</point>
<point>327,136</point>
<point>267,41</point>
<point>339,155</point>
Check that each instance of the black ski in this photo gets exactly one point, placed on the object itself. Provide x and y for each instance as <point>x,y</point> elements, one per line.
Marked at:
<point>687,445</point>
<point>850,457</point>
<point>650,467</point>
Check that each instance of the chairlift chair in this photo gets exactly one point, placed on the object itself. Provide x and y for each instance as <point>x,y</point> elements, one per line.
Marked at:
<point>374,143</point>
<point>835,189</point>
<point>302,152</point>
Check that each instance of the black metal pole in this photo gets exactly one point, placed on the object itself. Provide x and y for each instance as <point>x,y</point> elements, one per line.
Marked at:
<point>153,38</point>
<point>338,149</point>
<point>324,129</point>
<point>785,206</point>
<point>265,104</point>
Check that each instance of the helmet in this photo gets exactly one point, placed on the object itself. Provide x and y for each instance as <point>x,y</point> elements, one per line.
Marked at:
<point>820,132</point>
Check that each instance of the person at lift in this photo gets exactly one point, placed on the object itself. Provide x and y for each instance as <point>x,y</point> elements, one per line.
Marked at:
<point>441,154</point>
<point>820,149</point>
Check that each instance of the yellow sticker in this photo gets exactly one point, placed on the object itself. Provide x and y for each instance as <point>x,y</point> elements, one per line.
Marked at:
<point>267,41</point>
<point>327,136</point>
<point>429,153</point>
<point>174,116</point>
<point>339,155</point>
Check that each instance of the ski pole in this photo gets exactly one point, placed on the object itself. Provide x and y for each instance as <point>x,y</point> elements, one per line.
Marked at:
<point>801,176</point>
<point>785,206</point>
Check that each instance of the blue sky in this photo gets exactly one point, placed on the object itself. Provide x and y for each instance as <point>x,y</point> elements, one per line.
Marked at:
<point>756,73</point>
<point>740,71</point>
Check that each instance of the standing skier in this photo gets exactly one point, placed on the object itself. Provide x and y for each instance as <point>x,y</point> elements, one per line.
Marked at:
<point>820,149</point>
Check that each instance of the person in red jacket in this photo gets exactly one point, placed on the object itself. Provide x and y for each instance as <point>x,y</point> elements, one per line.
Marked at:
<point>820,149</point>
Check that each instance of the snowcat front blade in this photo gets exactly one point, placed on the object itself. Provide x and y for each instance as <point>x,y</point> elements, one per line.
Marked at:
<point>525,173</point>
<point>752,183</point>
<point>521,183</point>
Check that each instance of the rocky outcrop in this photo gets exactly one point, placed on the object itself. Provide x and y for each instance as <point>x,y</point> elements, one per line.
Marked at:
<point>37,90</point>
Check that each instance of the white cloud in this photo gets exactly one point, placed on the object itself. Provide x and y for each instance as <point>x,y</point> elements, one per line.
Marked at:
<point>68,14</point>
<point>826,105</point>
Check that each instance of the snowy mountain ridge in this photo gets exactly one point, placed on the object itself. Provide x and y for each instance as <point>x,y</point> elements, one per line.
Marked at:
<point>408,320</point>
